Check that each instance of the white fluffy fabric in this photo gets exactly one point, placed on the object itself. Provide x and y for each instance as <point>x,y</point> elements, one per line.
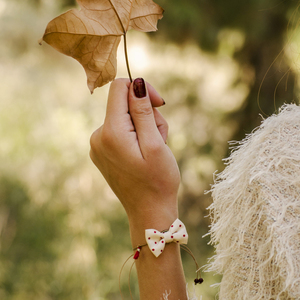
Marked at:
<point>256,213</point>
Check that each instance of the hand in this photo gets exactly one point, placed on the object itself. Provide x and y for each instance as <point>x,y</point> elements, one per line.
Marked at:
<point>130,151</point>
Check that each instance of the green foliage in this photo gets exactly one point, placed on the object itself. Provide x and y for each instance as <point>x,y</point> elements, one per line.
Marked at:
<point>263,25</point>
<point>68,3</point>
<point>202,21</point>
<point>27,236</point>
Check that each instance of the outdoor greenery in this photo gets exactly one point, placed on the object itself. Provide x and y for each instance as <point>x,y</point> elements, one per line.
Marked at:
<point>217,64</point>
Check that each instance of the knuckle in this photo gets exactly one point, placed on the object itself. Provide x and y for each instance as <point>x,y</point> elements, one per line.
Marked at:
<point>100,139</point>
<point>95,147</point>
<point>143,109</point>
<point>94,140</point>
<point>106,137</point>
<point>102,145</point>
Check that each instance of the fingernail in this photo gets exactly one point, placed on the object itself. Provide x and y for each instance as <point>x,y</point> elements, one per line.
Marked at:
<point>164,102</point>
<point>139,88</point>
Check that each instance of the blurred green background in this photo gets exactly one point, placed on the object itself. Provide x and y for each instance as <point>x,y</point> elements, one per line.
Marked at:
<point>218,65</point>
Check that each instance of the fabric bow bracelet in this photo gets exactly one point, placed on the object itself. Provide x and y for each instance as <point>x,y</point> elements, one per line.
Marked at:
<point>157,240</point>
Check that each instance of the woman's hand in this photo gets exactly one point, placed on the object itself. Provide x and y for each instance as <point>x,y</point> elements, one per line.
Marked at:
<point>130,151</point>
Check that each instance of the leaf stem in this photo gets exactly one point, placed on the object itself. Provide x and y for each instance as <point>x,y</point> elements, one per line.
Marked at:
<point>126,57</point>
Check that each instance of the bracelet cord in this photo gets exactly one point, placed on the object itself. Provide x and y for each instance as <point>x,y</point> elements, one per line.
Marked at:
<point>136,255</point>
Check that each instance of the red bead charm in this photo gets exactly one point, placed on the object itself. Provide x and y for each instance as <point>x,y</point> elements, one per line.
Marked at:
<point>137,253</point>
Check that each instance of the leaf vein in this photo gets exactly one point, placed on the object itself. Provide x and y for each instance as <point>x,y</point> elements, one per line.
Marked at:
<point>77,46</point>
<point>116,12</point>
<point>80,21</point>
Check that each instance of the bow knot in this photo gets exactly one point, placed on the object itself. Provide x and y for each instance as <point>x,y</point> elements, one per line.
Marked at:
<point>157,240</point>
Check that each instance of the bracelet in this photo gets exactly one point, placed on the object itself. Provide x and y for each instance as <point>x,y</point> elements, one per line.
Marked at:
<point>157,240</point>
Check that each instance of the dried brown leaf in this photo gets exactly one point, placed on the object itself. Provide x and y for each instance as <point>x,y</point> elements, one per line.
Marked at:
<point>92,34</point>
<point>144,15</point>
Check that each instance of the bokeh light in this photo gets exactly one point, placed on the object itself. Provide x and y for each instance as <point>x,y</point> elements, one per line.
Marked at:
<point>63,233</point>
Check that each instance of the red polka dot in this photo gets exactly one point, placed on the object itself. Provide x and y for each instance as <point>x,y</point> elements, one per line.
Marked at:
<point>162,242</point>
<point>179,225</point>
<point>155,242</point>
<point>171,236</point>
<point>153,249</point>
<point>172,226</point>
<point>154,231</point>
<point>149,238</point>
<point>184,235</point>
<point>160,250</point>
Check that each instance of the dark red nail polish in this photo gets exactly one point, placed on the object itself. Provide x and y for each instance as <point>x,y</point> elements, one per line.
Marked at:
<point>164,102</point>
<point>139,88</point>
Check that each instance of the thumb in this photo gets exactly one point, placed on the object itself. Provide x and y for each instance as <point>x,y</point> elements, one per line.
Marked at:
<point>141,112</point>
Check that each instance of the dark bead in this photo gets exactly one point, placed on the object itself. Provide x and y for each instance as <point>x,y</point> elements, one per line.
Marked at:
<point>200,280</point>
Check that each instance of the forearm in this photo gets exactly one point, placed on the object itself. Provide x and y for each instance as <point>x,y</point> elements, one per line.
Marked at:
<point>161,274</point>
<point>164,273</point>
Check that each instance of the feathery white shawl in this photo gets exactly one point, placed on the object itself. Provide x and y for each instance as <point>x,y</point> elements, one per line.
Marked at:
<point>256,213</point>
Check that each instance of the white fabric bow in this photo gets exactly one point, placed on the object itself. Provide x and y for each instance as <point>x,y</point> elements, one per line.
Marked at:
<point>157,240</point>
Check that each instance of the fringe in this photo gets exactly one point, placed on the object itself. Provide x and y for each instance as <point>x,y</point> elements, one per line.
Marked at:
<point>255,215</point>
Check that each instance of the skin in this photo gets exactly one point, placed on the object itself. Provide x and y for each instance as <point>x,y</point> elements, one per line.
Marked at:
<point>130,151</point>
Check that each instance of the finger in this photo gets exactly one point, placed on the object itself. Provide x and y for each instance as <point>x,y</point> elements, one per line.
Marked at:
<point>155,98</point>
<point>161,124</point>
<point>117,103</point>
<point>142,115</point>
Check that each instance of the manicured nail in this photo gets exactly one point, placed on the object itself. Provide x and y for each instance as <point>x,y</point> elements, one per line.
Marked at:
<point>164,102</point>
<point>139,88</point>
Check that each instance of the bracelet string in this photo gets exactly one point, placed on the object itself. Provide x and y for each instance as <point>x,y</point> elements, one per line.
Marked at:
<point>166,240</point>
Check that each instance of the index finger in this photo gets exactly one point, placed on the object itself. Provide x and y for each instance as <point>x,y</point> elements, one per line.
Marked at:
<point>117,103</point>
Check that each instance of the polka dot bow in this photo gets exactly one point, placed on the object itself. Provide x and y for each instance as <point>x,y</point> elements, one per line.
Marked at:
<point>157,240</point>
